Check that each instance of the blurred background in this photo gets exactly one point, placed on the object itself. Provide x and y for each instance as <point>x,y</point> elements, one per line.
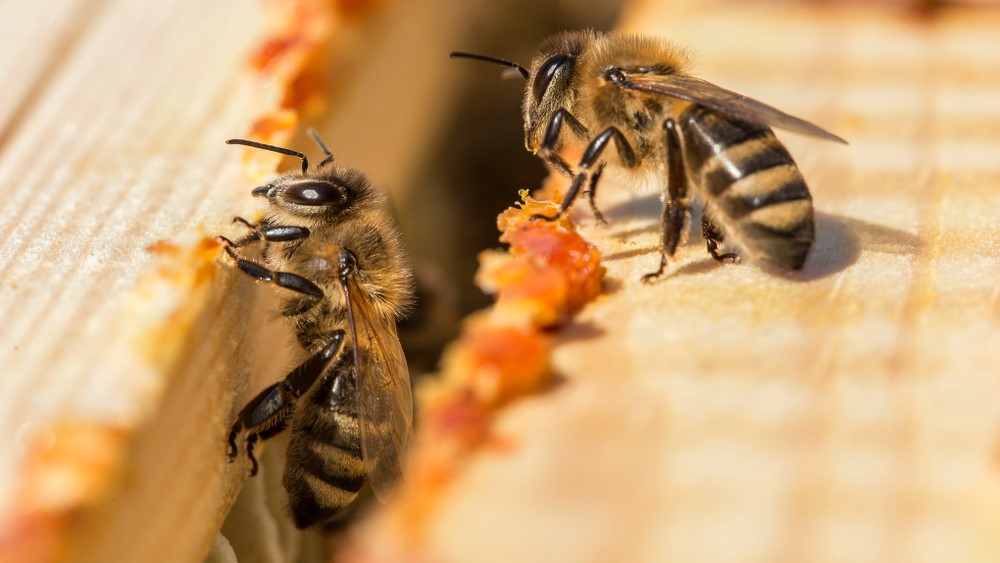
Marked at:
<point>443,136</point>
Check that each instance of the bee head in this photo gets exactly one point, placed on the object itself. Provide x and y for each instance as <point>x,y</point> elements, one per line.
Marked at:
<point>329,195</point>
<point>327,191</point>
<point>550,82</point>
<point>310,195</point>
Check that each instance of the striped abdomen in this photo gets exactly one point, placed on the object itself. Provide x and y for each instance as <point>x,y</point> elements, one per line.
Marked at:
<point>751,185</point>
<point>323,468</point>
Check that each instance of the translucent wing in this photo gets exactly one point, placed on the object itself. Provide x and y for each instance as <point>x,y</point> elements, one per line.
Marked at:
<point>385,404</point>
<point>725,101</point>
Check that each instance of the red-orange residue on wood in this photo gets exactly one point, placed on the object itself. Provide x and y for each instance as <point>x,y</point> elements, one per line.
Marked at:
<point>502,354</point>
<point>293,58</point>
<point>452,423</point>
<point>524,289</point>
<point>275,49</point>
<point>163,248</point>
<point>489,365</point>
<point>298,29</point>
<point>186,271</point>
<point>204,256</point>
<point>498,362</point>
<point>67,468</point>
<point>185,264</point>
<point>274,127</point>
<point>458,415</point>
<point>552,272</point>
<point>563,250</point>
<point>307,91</point>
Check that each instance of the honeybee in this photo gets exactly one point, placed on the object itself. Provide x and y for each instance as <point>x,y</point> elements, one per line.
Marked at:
<point>632,92</point>
<point>328,242</point>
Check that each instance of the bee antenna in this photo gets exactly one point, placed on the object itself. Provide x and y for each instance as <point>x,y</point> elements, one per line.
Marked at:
<point>272,148</point>
<point>322,145</point>
<point>489,59</point>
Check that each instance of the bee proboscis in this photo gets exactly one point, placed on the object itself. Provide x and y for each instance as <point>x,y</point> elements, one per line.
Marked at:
<point>332,248</point>
<point>632,92</point>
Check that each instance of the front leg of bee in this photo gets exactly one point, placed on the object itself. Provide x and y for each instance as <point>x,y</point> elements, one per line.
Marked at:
<point>675,202</point>
<point>592,156</point>
<point>269,233</point>
<point>286,280</point>
<point>592,191</point>
<point>553,140</point>
<point>268,413</point>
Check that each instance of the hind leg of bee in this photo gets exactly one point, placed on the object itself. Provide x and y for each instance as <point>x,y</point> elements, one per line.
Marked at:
<point>714,236</point>
<point>268,413</point>
<point>286,280</point>
<point>671,226</point>
<point>675,202</point>
<point>263,416</point>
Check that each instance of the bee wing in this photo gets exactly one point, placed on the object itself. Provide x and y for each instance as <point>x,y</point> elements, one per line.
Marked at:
<point>385,403</point>
<point>705,93</point>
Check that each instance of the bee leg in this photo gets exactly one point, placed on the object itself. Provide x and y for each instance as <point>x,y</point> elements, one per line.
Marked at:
<point>600,142</point>
<point>590,157</point>
<point>551,142</point>
<point>548,151</point>
<point>675,203</point>
<point>713,237</point>
<point>263,416</point>
<point>268,413</point>
<point>251,440</point>
<point>574,189</point>
<point>233,433</point>
<point>250,238</point>
<point>286,280</point>
<point>592,191</point>
<point>283,233</point>
<point>269,233</point>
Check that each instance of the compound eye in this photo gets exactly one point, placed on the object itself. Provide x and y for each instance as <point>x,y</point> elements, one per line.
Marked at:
<point>547,72</point>
<point>314,192</point>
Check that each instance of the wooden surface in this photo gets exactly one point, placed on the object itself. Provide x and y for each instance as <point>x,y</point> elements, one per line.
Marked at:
<point>118,365</point>
<point>845,413</point>
<point>126,348</point>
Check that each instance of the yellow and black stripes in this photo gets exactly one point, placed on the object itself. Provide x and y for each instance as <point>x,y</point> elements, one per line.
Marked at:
<point>751,184</point>
<point>324,471</point>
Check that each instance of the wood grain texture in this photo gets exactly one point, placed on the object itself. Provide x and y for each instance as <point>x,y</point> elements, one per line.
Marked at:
<point>846,413</point>
<point>727,413</point>
<point>126,347</point>
<point>118,352</point>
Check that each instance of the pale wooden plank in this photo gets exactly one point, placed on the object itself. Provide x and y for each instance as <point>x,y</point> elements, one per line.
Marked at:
<point>129,347</point>
<point>36,38</point>
<point>116,144</point>
<point>846,413</point>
